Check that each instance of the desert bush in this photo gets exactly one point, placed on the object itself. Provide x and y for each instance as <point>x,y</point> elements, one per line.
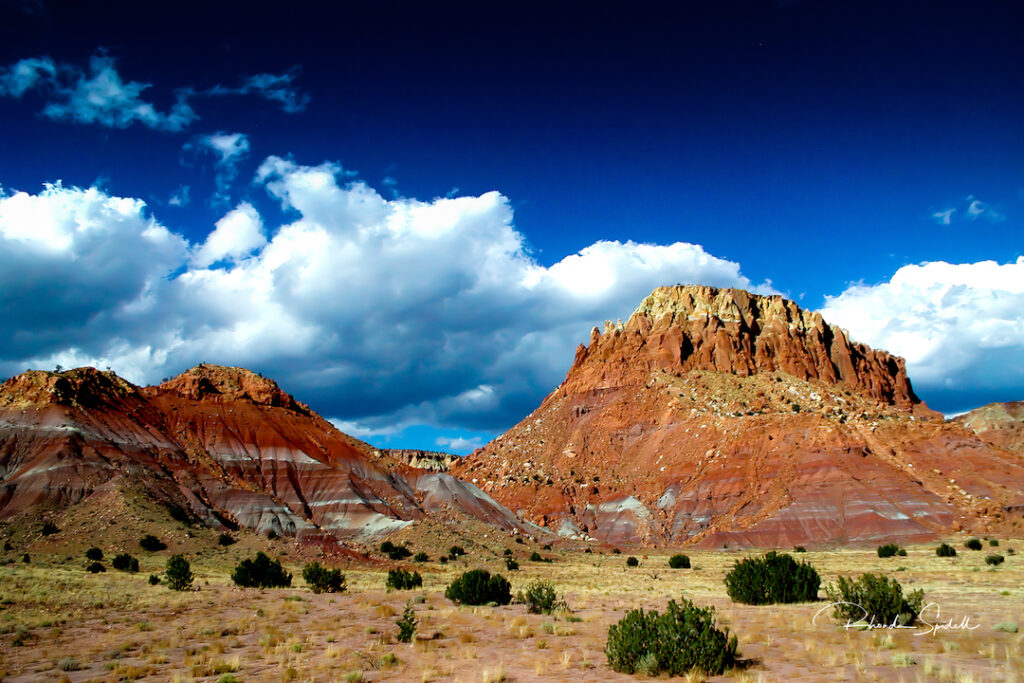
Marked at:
<point>401,580</point>
<point>511,564</point>
<point>179,573</point>
<point>540,598</point>
<point>395,552</point>
<point>125,563</point>
<point>406,624</point>
<point>153,579</point>
<point>421,557</point>
<point>632,561</point>
<point>679,562</point>
<point>95,568</point>
<point>799,549</point>
<point>261,572</point>
<point>94,554</point>
<point>478,587</point>
<point>226,540</point>
<point>973,544</point>
<point>507,552</point>
<point>994,542</point>
<point>772,578</point>
<point>455,551</point>
<point>519,539</point>
<point>945,550</point>
<point>995,559</point>
<point>152,543</point>
<point>676,642</point>
<point>25,558</point>
<point>68,664</point>
<point>889,550</point>
<point>323,580</point>
<point>271,535</point>
<point>49,528</point>
<point>874,598</point>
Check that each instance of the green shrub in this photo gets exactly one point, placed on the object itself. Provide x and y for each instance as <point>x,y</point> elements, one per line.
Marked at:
<point>125,563</point>
<point>455,551</point>
<point>226,540</point>
<point>679,562</point>
<point>945,550</point>
<point>443,559</point>
<point>994,542</point>
<point>95,568</point>
<point>323,580</point>
<point>874,598</point>
<point>49,528</point>
<point>973,544</point>
<point>406,624</point>
<point>676,642</point>
<point>632,561</point>
<point>94,554</point>
<point>535,557</point>
<point>511,564</point>
<point>890,550</point>
<point>799,549</point>
<point>271,535</point>
<point>261,572</point>
<point>25,558</point>
<point>772,578</point>
<point>507,552</point>
<point>995,559</point>
<point>616,551</point>
<point>540,598</point>
<point>179,573</point>
<point>152,543</point>
<point>519,539</point>
<point>153,579</point>
<point>421,557</point>
<point>401,580</point>
<point>478,587</point>
<point>395,552</point>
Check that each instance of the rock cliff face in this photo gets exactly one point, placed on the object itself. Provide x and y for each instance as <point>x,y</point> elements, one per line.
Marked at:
<point>724,418</point>
<point>216,443</point>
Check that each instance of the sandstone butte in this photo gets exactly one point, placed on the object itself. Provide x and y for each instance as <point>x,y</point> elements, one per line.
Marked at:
<point>221,445</point>
<point>721,418</point>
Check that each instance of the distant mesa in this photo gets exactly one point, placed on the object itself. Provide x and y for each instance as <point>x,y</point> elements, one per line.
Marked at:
<point>720,417</point>
<point>219,445</point>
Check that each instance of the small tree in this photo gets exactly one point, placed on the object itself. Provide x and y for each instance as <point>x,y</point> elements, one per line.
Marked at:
<point>945,550</point>
<point>323,580</point>
<point>632,561</point>
<point>95,568</point>
<point>773,578</point>
<point>399,579</point>
<point>889,550</point>
<point>875,599</point>
<point>679,562</point>
<point>179,573</point>
<point>94,554</point>
<point>676,642</point>
<point>478,587</point>
<point>421,557</point>
<point>152,543</point>
<point>540,598</point>
<point>407,624</point>
<point>973,544</point>
<point>261,572</point>
<point>125,563</point>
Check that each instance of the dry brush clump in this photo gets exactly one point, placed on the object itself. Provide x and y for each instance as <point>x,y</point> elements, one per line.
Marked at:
<point>772,578</point>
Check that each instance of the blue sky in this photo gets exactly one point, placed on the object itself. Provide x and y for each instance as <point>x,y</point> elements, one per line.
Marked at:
<point>410,215</point>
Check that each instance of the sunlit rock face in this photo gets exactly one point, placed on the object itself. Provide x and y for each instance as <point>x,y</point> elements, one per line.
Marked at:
<point>220,444</point>
<point>719,417</point>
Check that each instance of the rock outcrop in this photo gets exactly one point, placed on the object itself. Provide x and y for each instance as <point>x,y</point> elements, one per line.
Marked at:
<point>999,423</point>
<point>219,444</point>
<point>436,461</point>
<point>720,417</point>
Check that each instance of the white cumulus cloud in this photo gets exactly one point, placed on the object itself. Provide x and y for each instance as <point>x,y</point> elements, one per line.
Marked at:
<point>378,311</point>
<point>960,326</point>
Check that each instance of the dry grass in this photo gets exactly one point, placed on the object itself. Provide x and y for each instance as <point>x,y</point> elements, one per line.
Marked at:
<point>116,625</point>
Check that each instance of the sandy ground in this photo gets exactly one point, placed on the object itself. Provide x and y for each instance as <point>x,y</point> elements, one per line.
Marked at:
<point>60,623</point>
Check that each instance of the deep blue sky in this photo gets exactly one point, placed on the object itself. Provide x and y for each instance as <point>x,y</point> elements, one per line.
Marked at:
<point>810,142</point>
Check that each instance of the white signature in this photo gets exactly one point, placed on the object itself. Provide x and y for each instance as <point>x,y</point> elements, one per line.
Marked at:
<point>867,621</point>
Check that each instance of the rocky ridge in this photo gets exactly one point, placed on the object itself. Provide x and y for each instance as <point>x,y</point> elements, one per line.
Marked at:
<point>721,417</point>
<point>218,444</point>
